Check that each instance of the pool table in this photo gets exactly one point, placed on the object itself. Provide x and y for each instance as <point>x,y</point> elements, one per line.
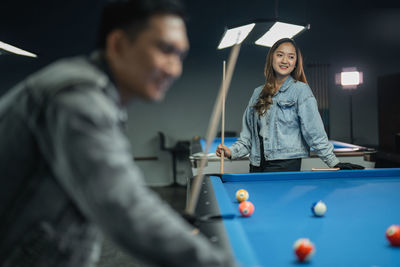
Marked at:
<point>361,205</point>
<point>345,152</point>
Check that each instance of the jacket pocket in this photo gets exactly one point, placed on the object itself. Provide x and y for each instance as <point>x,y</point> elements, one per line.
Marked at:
<point>287,113</point>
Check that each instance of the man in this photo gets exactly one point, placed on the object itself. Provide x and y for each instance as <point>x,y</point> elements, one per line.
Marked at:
<point>66,168</point>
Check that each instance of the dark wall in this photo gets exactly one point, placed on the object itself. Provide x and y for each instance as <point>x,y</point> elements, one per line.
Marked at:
<point>389,112</point>
<point>358,34</point>
<point>50,29</point>
<point>343,34</point>
<point>348,33</point>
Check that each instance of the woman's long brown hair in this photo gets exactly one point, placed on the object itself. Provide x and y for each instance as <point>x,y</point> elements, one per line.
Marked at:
<point>265,99</point>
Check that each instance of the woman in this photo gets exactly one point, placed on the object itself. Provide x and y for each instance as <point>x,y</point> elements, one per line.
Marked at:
<point>281,121</point>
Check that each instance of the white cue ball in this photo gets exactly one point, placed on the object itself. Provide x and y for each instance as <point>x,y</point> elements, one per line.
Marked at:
<point>319,208</point>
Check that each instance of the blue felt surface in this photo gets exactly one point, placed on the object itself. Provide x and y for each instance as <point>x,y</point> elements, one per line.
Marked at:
<point>361,206</point>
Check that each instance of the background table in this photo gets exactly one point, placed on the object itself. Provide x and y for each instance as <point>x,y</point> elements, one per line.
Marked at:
<point>345,152</point>
<point>361,205</point>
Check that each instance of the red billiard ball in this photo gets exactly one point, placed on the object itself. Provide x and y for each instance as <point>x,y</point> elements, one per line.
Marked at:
<point>242,195</point>
<point>246,208</point>
<point>393,235</point>
<point>304,249</point>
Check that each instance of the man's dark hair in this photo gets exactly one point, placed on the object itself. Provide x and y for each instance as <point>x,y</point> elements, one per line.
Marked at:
<point>132,15</point>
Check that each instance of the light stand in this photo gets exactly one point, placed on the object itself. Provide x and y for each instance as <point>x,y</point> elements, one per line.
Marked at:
<point>350,79</point>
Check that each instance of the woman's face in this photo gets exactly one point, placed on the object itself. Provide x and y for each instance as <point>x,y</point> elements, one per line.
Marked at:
<point>284,60</point>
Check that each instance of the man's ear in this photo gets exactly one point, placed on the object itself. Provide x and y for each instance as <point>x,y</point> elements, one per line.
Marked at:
<point>115,43</point>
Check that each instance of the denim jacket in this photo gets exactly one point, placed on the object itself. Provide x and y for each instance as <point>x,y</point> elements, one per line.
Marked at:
<point>289,128</point>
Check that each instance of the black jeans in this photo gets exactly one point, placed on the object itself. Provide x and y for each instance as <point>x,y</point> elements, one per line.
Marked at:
<point>282,165</point>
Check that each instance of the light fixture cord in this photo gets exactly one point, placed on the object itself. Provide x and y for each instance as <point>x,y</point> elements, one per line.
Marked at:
<point>276,8</point>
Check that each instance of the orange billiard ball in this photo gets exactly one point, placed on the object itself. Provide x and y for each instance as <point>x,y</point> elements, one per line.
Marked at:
<point>246,208</point>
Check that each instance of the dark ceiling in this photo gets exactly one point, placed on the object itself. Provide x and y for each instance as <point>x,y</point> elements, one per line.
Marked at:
<point>357,29</point>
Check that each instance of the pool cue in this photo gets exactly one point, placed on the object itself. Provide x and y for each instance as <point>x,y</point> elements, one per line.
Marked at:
<point>212,129</point>
<point>325,169</point>
<point>223,120</point>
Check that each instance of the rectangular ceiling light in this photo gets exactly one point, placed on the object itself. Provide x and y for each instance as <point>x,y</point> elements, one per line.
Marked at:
<point>16,50</point>
<point>278,31</point>
<point>351,78</point>
<point>235,35</point>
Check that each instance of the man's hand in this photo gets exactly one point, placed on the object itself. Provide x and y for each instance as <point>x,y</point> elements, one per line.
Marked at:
<point>191,219</point>
<point>196,220</point>
<point>348,166</point>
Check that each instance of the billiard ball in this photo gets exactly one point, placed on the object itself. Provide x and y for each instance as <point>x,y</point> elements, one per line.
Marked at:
<point>242,195</point>
<point>246,208</point>
<point>304,249</point>
<point>319,208</point>
<point>393,235</point>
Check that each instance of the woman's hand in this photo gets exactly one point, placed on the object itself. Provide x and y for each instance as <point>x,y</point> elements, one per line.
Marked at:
<point>220,148</point>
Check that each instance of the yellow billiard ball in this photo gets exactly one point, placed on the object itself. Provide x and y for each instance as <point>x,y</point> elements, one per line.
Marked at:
<point>242,195</point>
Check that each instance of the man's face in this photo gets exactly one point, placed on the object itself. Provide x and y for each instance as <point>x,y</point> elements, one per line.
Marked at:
<point>146,66</point>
